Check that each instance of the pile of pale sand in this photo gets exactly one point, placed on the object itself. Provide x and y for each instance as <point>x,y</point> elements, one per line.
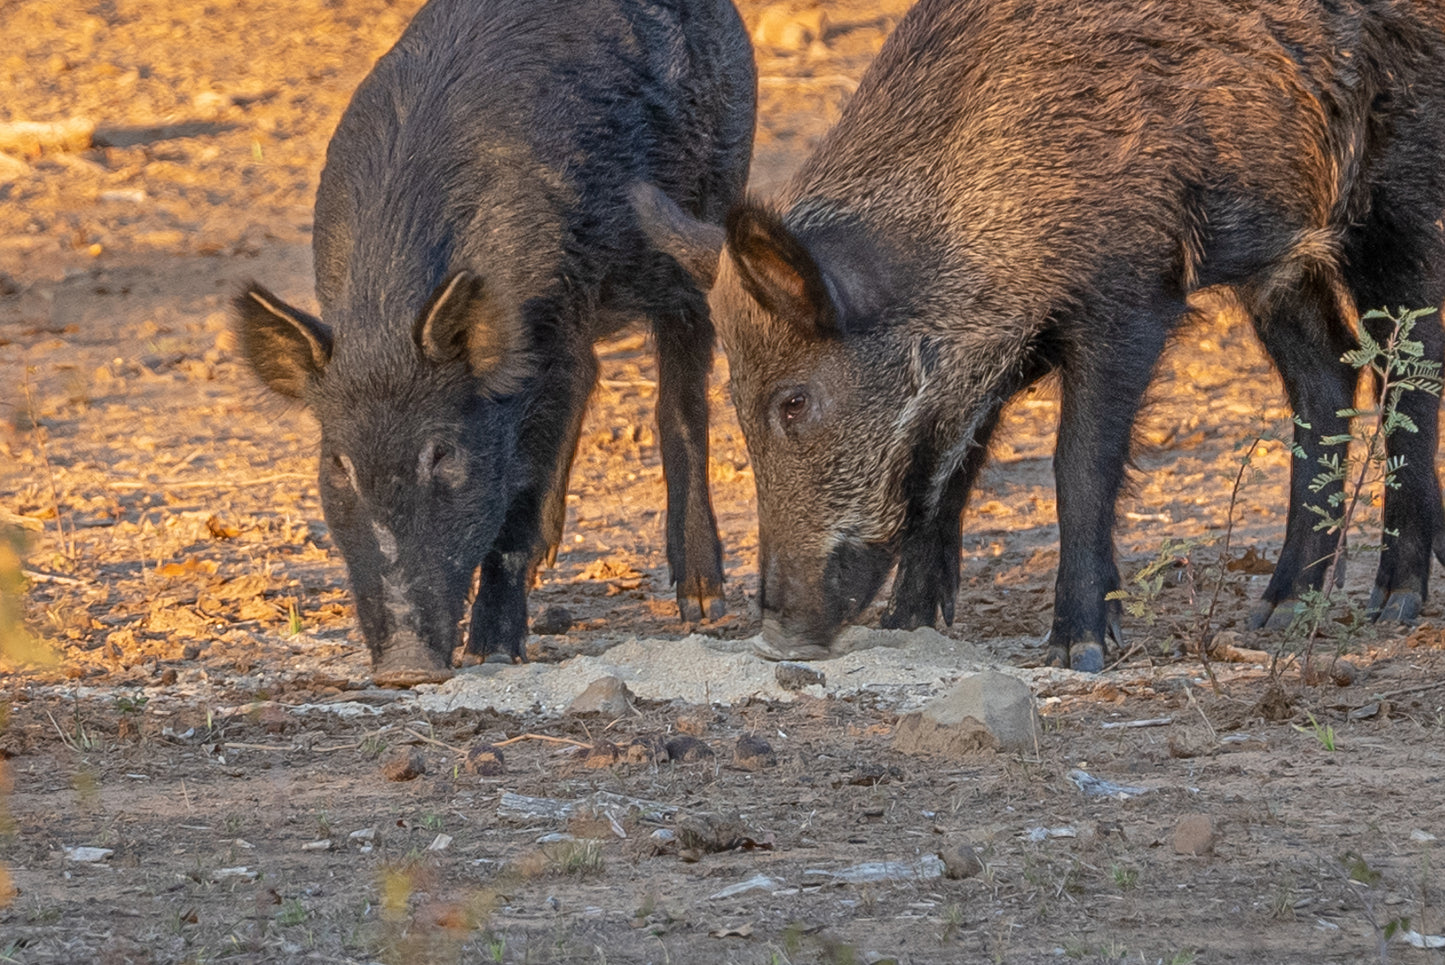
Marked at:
<point>902,669</point>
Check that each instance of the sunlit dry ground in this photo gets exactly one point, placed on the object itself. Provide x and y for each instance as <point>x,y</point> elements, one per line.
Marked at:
<point>182,572</point>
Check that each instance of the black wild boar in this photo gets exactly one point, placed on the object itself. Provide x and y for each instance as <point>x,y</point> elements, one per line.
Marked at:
<point>1022,187</point>
<point>474,237</point>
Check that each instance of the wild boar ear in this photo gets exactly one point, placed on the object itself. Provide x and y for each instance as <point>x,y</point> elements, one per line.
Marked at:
<point>778,270</point>
<point>285,346</point>
<point>468,320</point>
<point>695,245</point>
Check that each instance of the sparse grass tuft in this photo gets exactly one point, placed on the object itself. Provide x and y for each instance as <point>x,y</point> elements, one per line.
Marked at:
<point>1324,733</point>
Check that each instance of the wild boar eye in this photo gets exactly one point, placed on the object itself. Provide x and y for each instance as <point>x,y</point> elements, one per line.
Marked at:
<point>793,406</point>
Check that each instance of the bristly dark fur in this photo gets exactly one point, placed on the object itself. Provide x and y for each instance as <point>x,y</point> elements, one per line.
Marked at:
<point>474,237</point>
<point>1042,185</point>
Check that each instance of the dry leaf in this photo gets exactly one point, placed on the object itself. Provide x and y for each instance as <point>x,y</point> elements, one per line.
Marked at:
<point>221,530</point>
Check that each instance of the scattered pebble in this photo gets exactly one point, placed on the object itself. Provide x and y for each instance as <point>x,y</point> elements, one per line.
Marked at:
<point>484,760</point>
<point>796,676</point>
<point>1344,673</point>
<point>645,750</point>
<point>403,764</point>
<point>323,845</point>
<point>440,843</point>
<point>123,196</point>
<point>688,750</point>
<point>1190,744</point>
<point>244,873</point>
<point>607,696</point>
<point>552,620</point>
<point>695,723</point>
<point>86,855</point>
<point>710,831</point>
<point>33,138</point>
<point>758,882</point>
<point>987,711</point>
<point>1275,704</point>
<point>601,754</point>
<point>960,861</point>
<point>754,754</point>
<point>273,718</point>
<point>1194,834</point>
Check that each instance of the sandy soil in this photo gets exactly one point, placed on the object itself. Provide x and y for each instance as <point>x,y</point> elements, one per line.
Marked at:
<point>209,720</point>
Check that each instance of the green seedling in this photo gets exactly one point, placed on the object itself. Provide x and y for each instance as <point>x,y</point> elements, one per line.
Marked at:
<point>1324,733</point>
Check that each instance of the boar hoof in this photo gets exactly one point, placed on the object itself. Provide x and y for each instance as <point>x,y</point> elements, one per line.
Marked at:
<point>401,679</point>
<point>496,656</point>
<point>1084,656</point>
<point>1265,615</point>
<point>1401,606</point>
<point>698,609</point>
<point>789,651</point>
<point>408,665</point>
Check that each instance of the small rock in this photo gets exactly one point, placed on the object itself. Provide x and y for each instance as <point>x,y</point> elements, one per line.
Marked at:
<point>601,754</point>
<point>758,882</point>
<point>1190,744</point>
<point>644,750</point>
<point>607,696</point>
<point>191,651</point>
<point>754,754</point>
<point>552,620</point>
<point>988,711</point>
<point>87,855</point>
<point>440,843</point>
<point>1224,640</point>
<point>1275,704</point>
<point>323,845</point>
<point>273,718</point>
<point>403,764</point>
<point>796,676</point>
<point>484,760</point>
<point>960,861</point>
<point>1194,834</point>
<point>363,835</point>
<point>239,871</point>
<point>710,831</point>
<point>695,724</point>
<point>687,750</point>
<point>1344,673</point>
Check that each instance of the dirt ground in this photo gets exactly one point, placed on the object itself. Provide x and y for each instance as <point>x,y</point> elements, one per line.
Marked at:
<point>209,720</point>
